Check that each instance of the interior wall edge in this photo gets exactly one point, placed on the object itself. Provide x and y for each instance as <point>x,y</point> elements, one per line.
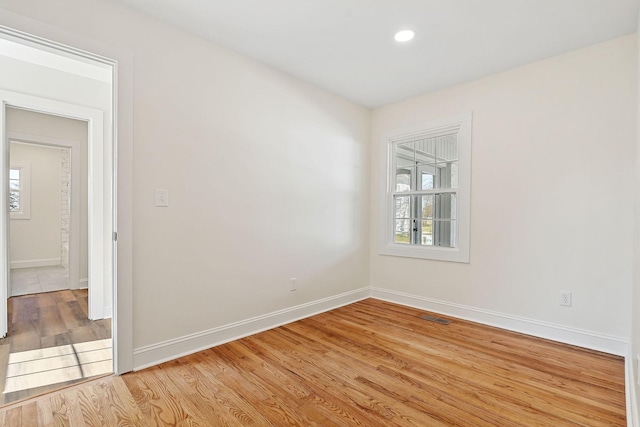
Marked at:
<point>630,391</point>
<point>150,355</point>
<point>618,346</point>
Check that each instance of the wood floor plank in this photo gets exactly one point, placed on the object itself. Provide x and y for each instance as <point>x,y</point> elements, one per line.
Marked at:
<point>371,363</point>
<point>29,413</point>
<point>71,404</point>
<point>158,403</point>
<point>216,404</point>
<point>272,406</point>
<point>111,402</point>
<point>12,417</point>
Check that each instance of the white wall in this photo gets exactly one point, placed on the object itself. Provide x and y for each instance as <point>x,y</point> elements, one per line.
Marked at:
<point>551,210</point>
<point>267,178</point>
<point>72,131</point>
<point>38,238</point>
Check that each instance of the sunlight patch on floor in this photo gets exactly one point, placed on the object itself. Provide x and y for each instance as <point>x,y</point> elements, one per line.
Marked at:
<point>53,365</point>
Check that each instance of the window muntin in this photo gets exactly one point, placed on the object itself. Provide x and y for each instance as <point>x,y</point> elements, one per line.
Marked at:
<point>427,192</point>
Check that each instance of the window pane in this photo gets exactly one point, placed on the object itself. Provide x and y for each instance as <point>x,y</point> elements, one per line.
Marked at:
<point>404,163</point>
<point>14,173</point>
<point>405,155</point>
<point>445,206</point>
<point>403,180</point>
<point>402,231</point>
<point>425,151</point>
<point>454,175</point>
<point>427,206</point>
<point>444,233</point>
<point>446,175</point>
<point>14,184</point>
<point>14,201</point>
<point>426,175</point>
<point>447,147</point>
<point>426,235</point>
<point>402,207</point>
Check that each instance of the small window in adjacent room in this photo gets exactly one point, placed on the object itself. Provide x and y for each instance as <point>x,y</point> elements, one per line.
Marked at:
<point>427,190</point>
<point>19,186</point>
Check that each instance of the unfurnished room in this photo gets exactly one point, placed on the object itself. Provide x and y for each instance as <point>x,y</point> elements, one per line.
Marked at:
<point>320,213</point>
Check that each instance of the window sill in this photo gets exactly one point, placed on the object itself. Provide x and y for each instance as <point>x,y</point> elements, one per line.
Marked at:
<point>436,254</point>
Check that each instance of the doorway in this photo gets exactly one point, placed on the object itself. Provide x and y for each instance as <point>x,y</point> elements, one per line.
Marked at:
<point>61,337</point>
<point>74,325</point>
<point>60,218</point>
<point>39,217</point>
<point>117,63</point>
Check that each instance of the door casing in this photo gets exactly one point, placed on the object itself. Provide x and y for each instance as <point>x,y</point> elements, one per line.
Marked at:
<point>120,61</point>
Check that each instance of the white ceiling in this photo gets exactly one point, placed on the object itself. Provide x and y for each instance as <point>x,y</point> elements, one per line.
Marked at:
<point>347,46</point>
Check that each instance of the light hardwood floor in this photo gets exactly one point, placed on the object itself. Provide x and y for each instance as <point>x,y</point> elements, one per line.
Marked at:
<point>371,363</point>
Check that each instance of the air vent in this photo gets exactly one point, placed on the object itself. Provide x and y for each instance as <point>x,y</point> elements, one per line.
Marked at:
<point>436,319</point>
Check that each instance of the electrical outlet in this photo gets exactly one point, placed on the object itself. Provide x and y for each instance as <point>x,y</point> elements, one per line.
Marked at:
<point>294,284</point>
<point>565,299</point>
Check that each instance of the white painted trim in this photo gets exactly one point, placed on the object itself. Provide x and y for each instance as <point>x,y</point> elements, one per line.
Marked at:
<point>574,336</point>
<point>31,263</point>
<point>150,355</point>
<point>4,223</point>
<point>462,124</point>
<point>630,391</point>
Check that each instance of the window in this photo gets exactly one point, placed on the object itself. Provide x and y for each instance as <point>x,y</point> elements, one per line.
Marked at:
<point>19,186</point>
<point>427,191</point>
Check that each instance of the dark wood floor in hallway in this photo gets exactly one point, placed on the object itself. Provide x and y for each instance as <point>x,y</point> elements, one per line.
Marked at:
<point>371,363</point>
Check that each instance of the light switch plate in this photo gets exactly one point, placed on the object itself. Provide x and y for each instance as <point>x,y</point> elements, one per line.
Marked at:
<point>162,198</point>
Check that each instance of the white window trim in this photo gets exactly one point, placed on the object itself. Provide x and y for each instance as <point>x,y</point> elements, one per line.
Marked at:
<point>25,191</point>
<point>459,253</point>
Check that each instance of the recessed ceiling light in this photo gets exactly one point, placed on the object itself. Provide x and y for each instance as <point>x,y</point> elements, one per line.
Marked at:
<point>404,35</point>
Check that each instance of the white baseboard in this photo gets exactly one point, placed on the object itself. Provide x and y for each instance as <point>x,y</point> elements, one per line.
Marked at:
<point>83,283</point>
<point>31,263</point>
<point>150,355</point>
<point>579,337</point>
<point>630,392</point>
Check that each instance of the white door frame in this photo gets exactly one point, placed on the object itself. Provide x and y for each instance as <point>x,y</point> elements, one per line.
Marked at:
<point>31,32</point>
<point>98,256</point>
<point>75,196</point>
